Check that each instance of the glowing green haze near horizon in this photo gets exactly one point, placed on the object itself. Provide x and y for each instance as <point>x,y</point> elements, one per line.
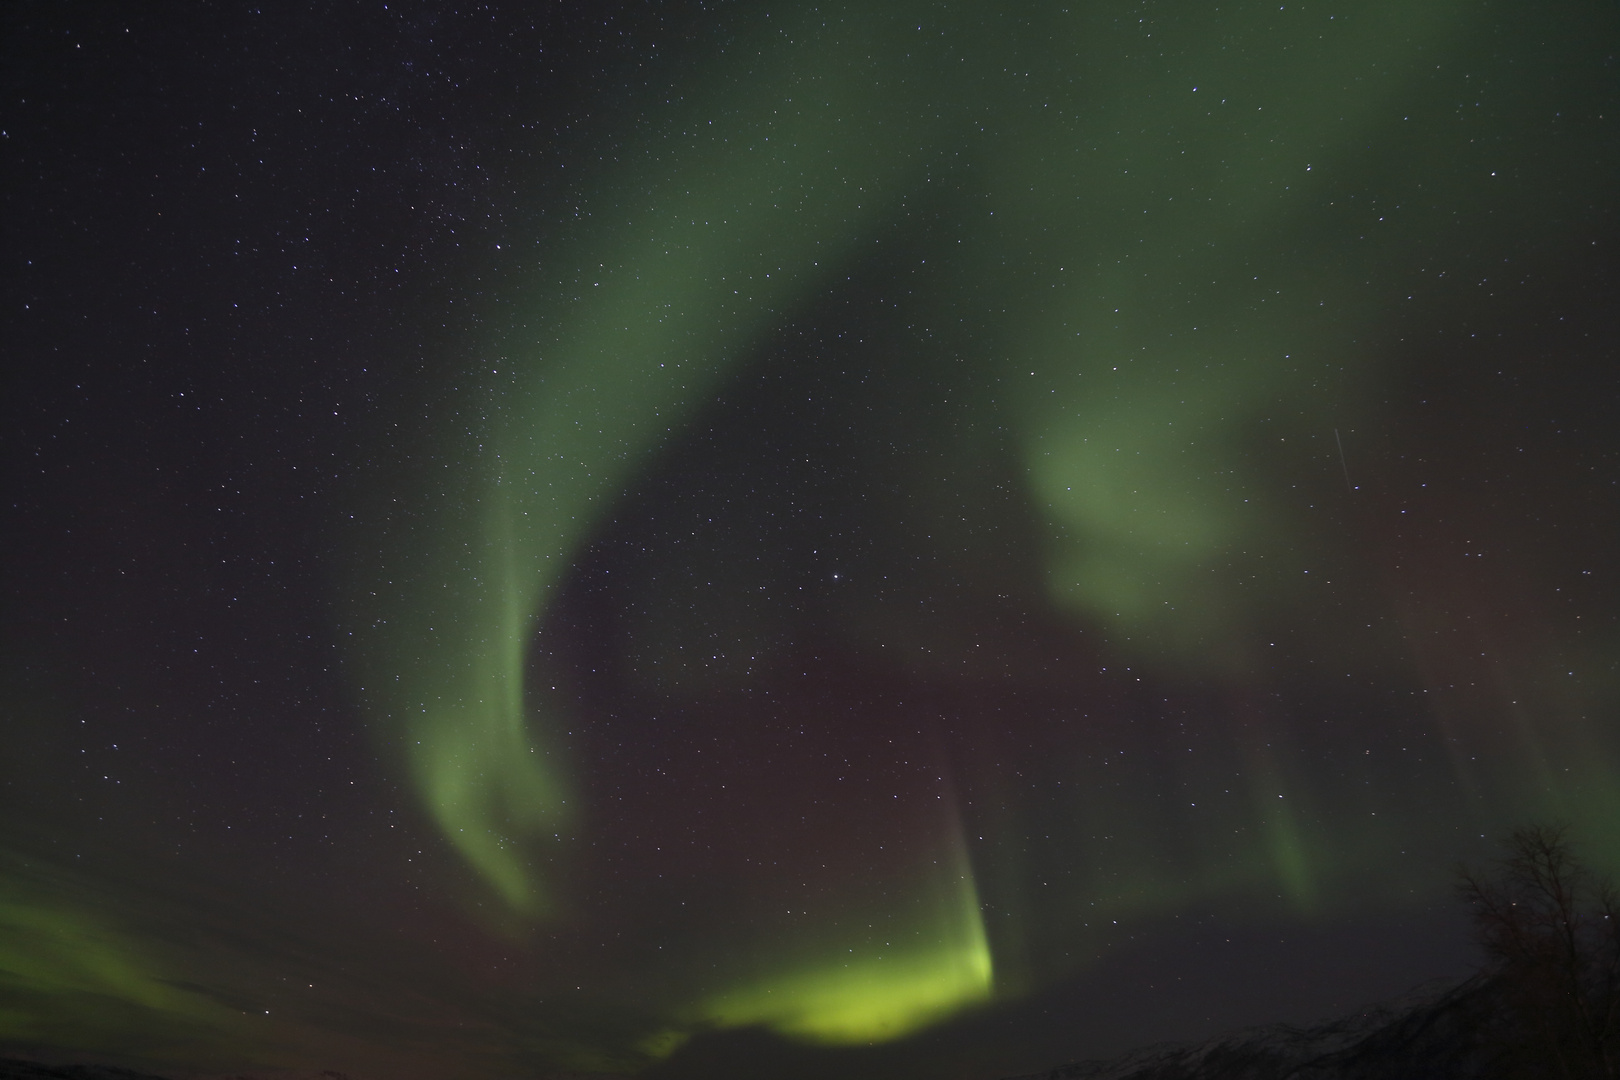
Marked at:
<point>1177,245</point>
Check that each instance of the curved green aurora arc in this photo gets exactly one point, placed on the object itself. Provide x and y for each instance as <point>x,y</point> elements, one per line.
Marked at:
<point>1179,281</point>
<point>813,540</point>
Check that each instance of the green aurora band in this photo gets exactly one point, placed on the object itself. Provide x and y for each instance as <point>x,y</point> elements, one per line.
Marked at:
<point>1180,245</point>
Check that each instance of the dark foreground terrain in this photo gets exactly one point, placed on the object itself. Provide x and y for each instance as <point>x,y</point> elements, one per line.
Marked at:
<point>1437,1032</point>
<point>13,1069</point>
<point>18,1069</point>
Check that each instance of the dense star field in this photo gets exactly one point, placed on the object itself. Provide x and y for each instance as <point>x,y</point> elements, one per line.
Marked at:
<point>715,540</point>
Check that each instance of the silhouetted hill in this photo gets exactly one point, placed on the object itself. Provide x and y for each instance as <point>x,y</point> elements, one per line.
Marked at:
<point>1437,1032</point>
<point>19,1069</point>
<point>14,1069</point>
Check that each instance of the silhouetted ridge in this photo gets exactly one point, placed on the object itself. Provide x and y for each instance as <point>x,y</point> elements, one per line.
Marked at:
<point>14,1069</point>
<point>1433,1033</point>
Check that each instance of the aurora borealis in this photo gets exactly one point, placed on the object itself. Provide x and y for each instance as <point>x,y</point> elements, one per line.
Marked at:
<point>713,540</point>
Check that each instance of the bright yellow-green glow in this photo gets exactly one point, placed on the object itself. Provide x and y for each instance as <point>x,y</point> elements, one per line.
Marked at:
<point>1165,294</point>
<point>864,1000</point>
<point>859,997</point>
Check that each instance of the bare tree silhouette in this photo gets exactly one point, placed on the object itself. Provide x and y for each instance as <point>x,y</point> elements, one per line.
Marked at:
<point>1551,928</point>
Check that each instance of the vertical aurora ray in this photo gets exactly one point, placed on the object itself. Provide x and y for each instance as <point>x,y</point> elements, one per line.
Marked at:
<point>861,524</point>
<point>1181,289</point>
<point>883,983</point>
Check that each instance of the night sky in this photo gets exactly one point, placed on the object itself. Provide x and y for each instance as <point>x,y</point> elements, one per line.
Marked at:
<point>845,540</point>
